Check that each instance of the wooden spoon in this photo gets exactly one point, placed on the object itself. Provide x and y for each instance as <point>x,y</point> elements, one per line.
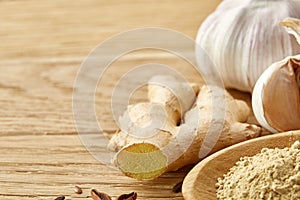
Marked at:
<point>200,182</point>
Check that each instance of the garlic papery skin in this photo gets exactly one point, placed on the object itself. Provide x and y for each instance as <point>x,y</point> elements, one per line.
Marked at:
<point>292,26</point>
<point>242,38</point>
<point>276,99</point>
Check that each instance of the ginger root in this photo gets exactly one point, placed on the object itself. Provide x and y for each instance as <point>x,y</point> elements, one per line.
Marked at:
<point>176,128</point>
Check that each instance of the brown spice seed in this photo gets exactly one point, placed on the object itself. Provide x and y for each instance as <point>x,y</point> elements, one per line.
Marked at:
<point>131,196</point>
<point>77,189</point>
<point>60,198</point>
<point>96,195</point>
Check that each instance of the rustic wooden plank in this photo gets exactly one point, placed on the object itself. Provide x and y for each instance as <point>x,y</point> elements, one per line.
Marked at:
<point>45,166</point>
<point>42,46</point>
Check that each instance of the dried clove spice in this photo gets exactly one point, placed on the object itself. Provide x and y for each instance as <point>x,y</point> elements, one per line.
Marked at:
<point>60,198</point>
<point>177,187</point>
<point>96,195</point>
<point>131,196</point>
<point>77,189</point>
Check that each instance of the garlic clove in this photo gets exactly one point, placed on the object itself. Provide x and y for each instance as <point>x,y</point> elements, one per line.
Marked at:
<point>276,99</point>
<point>298,77</point>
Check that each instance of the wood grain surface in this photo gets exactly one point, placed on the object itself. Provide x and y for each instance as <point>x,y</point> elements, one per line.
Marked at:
<point>42,46</point>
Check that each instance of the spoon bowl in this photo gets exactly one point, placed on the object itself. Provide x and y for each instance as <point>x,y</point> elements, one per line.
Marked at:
<point>201,180</point>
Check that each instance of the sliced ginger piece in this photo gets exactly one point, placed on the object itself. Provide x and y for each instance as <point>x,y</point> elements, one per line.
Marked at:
<point>142,161</point>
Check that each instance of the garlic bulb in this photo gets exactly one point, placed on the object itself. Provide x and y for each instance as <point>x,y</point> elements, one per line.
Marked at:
<point>243,38</point>
<point>276,95</point>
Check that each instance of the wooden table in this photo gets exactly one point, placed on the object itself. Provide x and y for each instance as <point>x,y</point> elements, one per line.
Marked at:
<point>42,46</point>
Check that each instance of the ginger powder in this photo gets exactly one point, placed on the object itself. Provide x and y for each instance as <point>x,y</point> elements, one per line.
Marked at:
<point>270,174</point>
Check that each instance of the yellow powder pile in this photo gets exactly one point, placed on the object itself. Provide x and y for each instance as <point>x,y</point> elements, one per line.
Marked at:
<point>273,174</point>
